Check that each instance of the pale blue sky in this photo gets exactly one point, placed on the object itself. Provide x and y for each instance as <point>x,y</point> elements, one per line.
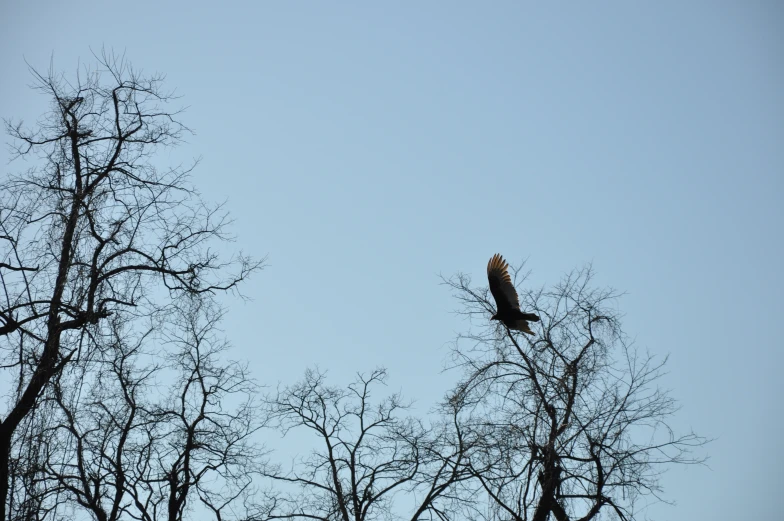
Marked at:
<point>368,147</point>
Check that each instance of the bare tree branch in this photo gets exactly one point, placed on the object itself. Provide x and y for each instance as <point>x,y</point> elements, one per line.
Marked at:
<point>96,230</point>
<point>569,421</point>
<point>368,452</point>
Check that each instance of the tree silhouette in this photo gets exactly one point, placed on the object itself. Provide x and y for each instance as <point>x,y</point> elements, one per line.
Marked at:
<point>146,436</point>
<point>94,230</point>
<point>568,422</point>
<point>367,451</point>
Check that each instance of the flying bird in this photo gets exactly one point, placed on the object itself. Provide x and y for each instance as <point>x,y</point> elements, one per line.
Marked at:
<point>506,301</point>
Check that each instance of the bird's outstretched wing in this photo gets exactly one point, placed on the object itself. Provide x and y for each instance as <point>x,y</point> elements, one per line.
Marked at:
<point>501,285</point>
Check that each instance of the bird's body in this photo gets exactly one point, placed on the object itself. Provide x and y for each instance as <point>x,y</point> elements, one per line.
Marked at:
<point>505,295</point>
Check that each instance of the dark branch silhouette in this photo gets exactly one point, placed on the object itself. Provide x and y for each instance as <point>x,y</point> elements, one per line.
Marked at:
<point>570,422</point>
<point>367,452</point>
<point>148,436</point>
<point>94,230</point>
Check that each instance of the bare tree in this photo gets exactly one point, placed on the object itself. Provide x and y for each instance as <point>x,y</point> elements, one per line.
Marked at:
<point>144,437</point>
<point>208,422</point>
<point>367,451</point>
<point>93,230</point>
<point>568,422</point>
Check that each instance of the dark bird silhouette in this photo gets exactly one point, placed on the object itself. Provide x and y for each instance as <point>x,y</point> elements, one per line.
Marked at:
<point>506,300</point>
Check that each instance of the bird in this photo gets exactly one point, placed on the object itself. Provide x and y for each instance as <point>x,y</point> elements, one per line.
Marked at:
<point>506,300</point>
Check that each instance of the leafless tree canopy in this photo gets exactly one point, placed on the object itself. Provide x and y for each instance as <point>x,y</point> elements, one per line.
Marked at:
<point>148,425</point>
<point>569,422</point>
<point>122,400</point>
<point>368,453</point>
<point>94,235</point>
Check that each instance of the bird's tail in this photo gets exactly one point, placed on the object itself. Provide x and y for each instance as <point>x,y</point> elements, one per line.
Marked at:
<point>523,326</point>
<point>520,325</point>
<point>530,316</point>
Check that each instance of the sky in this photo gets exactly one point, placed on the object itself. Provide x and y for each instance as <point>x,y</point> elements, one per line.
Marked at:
<point>367,147</point>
